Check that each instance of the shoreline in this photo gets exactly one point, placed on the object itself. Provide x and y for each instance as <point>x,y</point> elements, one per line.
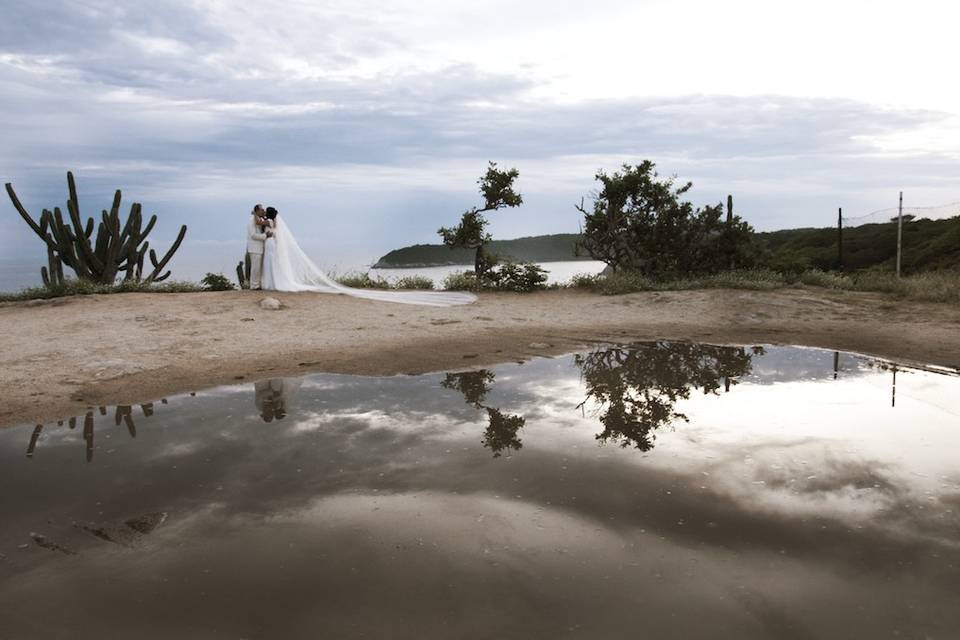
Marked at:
<point>65,354</point>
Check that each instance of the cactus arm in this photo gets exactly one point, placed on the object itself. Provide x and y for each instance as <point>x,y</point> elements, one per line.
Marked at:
<point>158,266</point>
<point>146,231</point>
<point>72,190</point>
<point>22,211</point>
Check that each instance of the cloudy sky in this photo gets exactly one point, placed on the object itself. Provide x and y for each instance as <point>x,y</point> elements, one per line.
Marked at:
<point>367,123</point>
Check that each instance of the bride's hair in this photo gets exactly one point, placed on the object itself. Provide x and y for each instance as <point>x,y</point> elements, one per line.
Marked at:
<point>271,213</point>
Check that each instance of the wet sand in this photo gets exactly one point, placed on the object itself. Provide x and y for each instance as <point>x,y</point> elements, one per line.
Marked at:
<point>63,355</point>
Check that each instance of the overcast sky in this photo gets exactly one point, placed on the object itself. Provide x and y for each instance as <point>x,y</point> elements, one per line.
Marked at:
<point>367,123</point>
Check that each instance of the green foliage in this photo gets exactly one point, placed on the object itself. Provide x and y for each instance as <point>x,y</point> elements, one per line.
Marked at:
<point>518,277</point>
<point>934,286</point>
<point>496,187</point>
<point>366,281</point>
<point>414,282</point>
<point>462,281</point>
<point>216,282</point>
<point>510,276</point>
<point>927,245</point>
<point>363,281</point>
<point>116,248</point>
<point>73,287</point>
<point>640,222</point>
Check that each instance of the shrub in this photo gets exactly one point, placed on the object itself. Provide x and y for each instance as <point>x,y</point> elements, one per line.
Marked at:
<point>520,277</point>
<point>216,282</point>
<point>461,281</point>
<point>414,282</point>
<point>363,281</point>
<point>73,287</point>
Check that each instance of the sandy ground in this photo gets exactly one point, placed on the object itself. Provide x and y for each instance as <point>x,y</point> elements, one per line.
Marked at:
<point>61,356</point>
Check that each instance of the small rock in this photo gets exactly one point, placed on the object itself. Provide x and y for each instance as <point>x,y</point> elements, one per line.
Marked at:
<point>270,304</point>
<point>539,345</point>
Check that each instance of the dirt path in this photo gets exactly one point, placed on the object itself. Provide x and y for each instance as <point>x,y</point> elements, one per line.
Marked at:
<point>62,355</point>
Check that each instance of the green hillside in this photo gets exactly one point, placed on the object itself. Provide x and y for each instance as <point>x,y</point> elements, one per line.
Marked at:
<point>551,248</point>
<point>927,245</point>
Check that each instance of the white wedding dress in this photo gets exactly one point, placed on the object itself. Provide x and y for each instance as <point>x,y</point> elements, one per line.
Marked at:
<point>287,268</point>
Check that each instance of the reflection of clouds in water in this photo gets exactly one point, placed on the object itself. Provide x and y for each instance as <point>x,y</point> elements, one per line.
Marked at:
<point>737,476</point>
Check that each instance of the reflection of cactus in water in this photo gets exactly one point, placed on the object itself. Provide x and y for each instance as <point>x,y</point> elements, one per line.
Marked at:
<point>502,428</point>
<point>88,434</point>
<point>116,247</point>
<point>123,414</point>
<point>636,388</point>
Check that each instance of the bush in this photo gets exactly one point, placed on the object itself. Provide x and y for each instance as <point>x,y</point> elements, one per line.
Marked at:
<point>216,282</point>
<point>414,282</point>
<point>520,277</point>
<point>72,287</point>
<point>363,281</point>
<point>461,281</point>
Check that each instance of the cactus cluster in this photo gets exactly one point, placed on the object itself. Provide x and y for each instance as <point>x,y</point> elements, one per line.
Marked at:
<point>116,248</point>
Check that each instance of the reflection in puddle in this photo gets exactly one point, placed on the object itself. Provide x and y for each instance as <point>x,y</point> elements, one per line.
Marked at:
<point>637,388</point>
<point>273,396</point>
<point>772,492</point>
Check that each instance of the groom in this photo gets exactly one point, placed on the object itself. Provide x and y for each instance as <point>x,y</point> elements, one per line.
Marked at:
<point>257,233</point>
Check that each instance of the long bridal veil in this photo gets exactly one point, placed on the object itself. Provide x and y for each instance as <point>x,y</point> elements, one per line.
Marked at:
<point>294,271</point>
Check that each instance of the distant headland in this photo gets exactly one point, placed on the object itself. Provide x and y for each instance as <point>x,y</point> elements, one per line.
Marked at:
<point>549,248</point>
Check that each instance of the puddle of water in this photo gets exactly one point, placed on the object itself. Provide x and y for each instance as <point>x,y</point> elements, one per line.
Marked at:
<point>669,489</point>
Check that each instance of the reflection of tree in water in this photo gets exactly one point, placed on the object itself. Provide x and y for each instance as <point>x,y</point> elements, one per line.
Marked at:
<point>501,431</point>
<point>637,387</point>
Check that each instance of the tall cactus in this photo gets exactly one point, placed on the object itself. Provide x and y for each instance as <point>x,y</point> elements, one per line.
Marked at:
<point>116,248</point>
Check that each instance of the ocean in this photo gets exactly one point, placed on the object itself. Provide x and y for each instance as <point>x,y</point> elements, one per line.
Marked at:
<point>17,274</point>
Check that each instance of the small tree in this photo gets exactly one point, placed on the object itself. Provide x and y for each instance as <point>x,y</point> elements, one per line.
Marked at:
<point>496,187</point>
<point>640,222</point>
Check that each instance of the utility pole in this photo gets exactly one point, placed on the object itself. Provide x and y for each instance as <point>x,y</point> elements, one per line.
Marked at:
<point>899,232</point>
<point>840,239</point>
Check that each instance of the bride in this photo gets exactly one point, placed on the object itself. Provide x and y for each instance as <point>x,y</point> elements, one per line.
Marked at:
<point>287,268</point>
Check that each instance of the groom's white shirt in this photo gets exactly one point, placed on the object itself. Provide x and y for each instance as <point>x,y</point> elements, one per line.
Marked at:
<point>255,237</point>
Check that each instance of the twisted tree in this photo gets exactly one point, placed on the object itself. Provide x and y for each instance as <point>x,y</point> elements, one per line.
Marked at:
<point>496,187</point>
<point>117,247</point>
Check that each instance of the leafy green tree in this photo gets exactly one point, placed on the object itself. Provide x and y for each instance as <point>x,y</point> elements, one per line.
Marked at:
<point>640,222</point>
<point>497,189</point>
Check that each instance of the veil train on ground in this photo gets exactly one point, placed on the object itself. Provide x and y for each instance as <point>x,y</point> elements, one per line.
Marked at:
<point>294,271</point>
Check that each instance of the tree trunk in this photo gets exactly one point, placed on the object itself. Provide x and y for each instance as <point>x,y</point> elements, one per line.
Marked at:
<point>479,265</point>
